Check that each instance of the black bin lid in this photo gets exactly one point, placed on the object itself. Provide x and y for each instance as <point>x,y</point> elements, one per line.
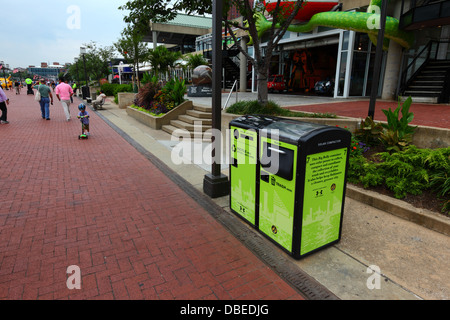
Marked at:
<point>253,121</point>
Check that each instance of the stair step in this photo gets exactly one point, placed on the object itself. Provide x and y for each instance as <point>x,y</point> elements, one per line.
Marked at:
<point>191,120</point>
<point>432,72</point>
<point>176,132</point>
<point>426,87</point>
<point>189,127</point>
<point>440,62</point>
<point>428,81</point>
<point>418,99</point>
<point>202,108</point>
<point>199,114</point>
<point>422,93</point>
<point>430,76</point>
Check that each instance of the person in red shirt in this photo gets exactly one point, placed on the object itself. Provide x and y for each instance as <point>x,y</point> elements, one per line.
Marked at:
<point>64,92</point>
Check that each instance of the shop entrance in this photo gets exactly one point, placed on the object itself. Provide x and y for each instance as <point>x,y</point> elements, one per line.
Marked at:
<point>356,60</point>
<point>302,68</point>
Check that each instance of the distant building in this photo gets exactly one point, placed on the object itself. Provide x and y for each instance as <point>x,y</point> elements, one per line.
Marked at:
<point>49,72</point>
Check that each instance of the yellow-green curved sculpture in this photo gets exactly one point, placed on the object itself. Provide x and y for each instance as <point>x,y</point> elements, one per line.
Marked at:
<point>355,21</point>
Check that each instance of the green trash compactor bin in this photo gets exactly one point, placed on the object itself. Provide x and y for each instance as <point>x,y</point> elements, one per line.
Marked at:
<point>295,188</point>
<point>244,166</point>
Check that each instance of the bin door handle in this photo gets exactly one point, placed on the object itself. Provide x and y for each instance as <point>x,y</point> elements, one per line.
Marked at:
<point>276,150</point>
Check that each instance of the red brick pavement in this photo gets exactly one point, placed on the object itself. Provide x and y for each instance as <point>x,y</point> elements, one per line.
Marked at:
<point>432,115</point>
<point>101,205</point>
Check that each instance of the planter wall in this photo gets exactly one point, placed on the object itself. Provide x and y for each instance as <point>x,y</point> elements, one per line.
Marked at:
<point>125,99</point>
<point>158,122</point>
<point>424,137</point>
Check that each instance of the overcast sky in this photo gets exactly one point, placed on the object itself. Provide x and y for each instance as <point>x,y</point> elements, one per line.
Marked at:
<point>32,32</point>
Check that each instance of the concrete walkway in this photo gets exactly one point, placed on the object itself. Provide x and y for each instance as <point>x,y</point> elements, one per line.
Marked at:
<point>139,226</point>
<point>401,249</point>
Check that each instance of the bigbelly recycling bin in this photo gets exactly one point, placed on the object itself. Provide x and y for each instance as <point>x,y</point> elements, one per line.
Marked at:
<point>301,198</point>
<point>288,180</point>
<point>244,166</point>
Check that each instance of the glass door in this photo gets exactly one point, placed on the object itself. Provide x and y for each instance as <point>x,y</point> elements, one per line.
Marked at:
<point>345,55</point>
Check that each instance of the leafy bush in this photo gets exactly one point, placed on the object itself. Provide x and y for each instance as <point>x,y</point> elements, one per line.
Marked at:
<point>369,131</point>
<point>271,108</point>
<point>147,77</point>
<point>411,170</point>
<point>111,89</point>
<point>146,95</point>
<point>157,99</point>
<point>175,89</point>
<point>398,133</point>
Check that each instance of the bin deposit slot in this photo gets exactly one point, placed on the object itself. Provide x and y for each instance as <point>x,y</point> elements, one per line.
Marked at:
<point>278,161</point>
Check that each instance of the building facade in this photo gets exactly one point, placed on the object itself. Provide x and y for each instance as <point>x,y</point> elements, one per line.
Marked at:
<point>346,55</point>
<point>46,71</point>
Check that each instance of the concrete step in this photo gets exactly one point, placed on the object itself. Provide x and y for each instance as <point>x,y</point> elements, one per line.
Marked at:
<point>425,87</point>
<point>202,108</point>
<point>180,133</point>
<point>421,93</point>
<point>417,99</point>
<point>199,114</point>
<point>192,120</point>
<point>189,127</point>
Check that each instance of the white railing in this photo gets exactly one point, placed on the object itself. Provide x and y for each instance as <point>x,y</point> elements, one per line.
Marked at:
<point>235,84</point>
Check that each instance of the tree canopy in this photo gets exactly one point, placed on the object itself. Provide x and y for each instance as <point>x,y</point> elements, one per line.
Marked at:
<point>144,11</point>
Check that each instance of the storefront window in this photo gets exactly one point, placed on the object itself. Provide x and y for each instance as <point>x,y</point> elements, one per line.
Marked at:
<point>342,72</point>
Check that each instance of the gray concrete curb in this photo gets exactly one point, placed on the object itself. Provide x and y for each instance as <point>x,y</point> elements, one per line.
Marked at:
<point>400,209</point>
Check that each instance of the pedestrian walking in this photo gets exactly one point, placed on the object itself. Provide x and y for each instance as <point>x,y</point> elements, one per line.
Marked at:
<point>46,99</point>
<point>64,94</point>
<point>17,85</point>
<point>3,102</point>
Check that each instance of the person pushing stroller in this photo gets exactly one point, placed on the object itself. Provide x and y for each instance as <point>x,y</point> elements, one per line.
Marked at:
<point>83,115</point>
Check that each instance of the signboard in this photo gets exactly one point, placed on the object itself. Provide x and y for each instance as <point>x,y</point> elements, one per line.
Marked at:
<point>323,196</point>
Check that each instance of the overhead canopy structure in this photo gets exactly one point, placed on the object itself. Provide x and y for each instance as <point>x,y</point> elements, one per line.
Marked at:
<point>181,32</point>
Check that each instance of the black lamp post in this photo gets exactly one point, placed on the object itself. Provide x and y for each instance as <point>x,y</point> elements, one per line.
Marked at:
<point>378,59</point>
<point>85,92</point>
<point>78,76</point>
<point>216,184</point>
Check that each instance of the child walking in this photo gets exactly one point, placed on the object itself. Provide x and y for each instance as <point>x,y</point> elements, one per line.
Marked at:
<point>83,115</point>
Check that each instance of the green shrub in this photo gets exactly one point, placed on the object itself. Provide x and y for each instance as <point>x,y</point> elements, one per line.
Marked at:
<point>398,133</point>
<point>271,108</point>
<point>108,88</point>
<point>111,89</point>
<point>409,171</point>
<point>122,88</point>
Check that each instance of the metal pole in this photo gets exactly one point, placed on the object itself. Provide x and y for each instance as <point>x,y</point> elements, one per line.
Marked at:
<point>378,60</point>
<point>88,94</point>
<point>216,184</point>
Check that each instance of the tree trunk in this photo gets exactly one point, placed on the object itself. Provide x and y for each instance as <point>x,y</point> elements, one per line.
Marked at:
<point>263,96</point>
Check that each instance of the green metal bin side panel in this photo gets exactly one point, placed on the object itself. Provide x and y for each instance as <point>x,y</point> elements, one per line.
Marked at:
<point>276,203</point>
<point>323,196</point>
<point>243,176</point>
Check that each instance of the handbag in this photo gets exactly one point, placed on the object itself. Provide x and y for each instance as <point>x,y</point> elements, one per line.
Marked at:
<point>37,97</point>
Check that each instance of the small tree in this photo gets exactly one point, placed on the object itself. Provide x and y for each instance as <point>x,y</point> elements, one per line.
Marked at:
<point>97,59</point>
<point>132,47</point>
<point>162,60</point>
<point>143,11</point>
<point>195,60</point>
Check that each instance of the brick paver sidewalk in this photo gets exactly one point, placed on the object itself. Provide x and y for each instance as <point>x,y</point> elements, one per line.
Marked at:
<point>432,115</point>
<point>101,205</point>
